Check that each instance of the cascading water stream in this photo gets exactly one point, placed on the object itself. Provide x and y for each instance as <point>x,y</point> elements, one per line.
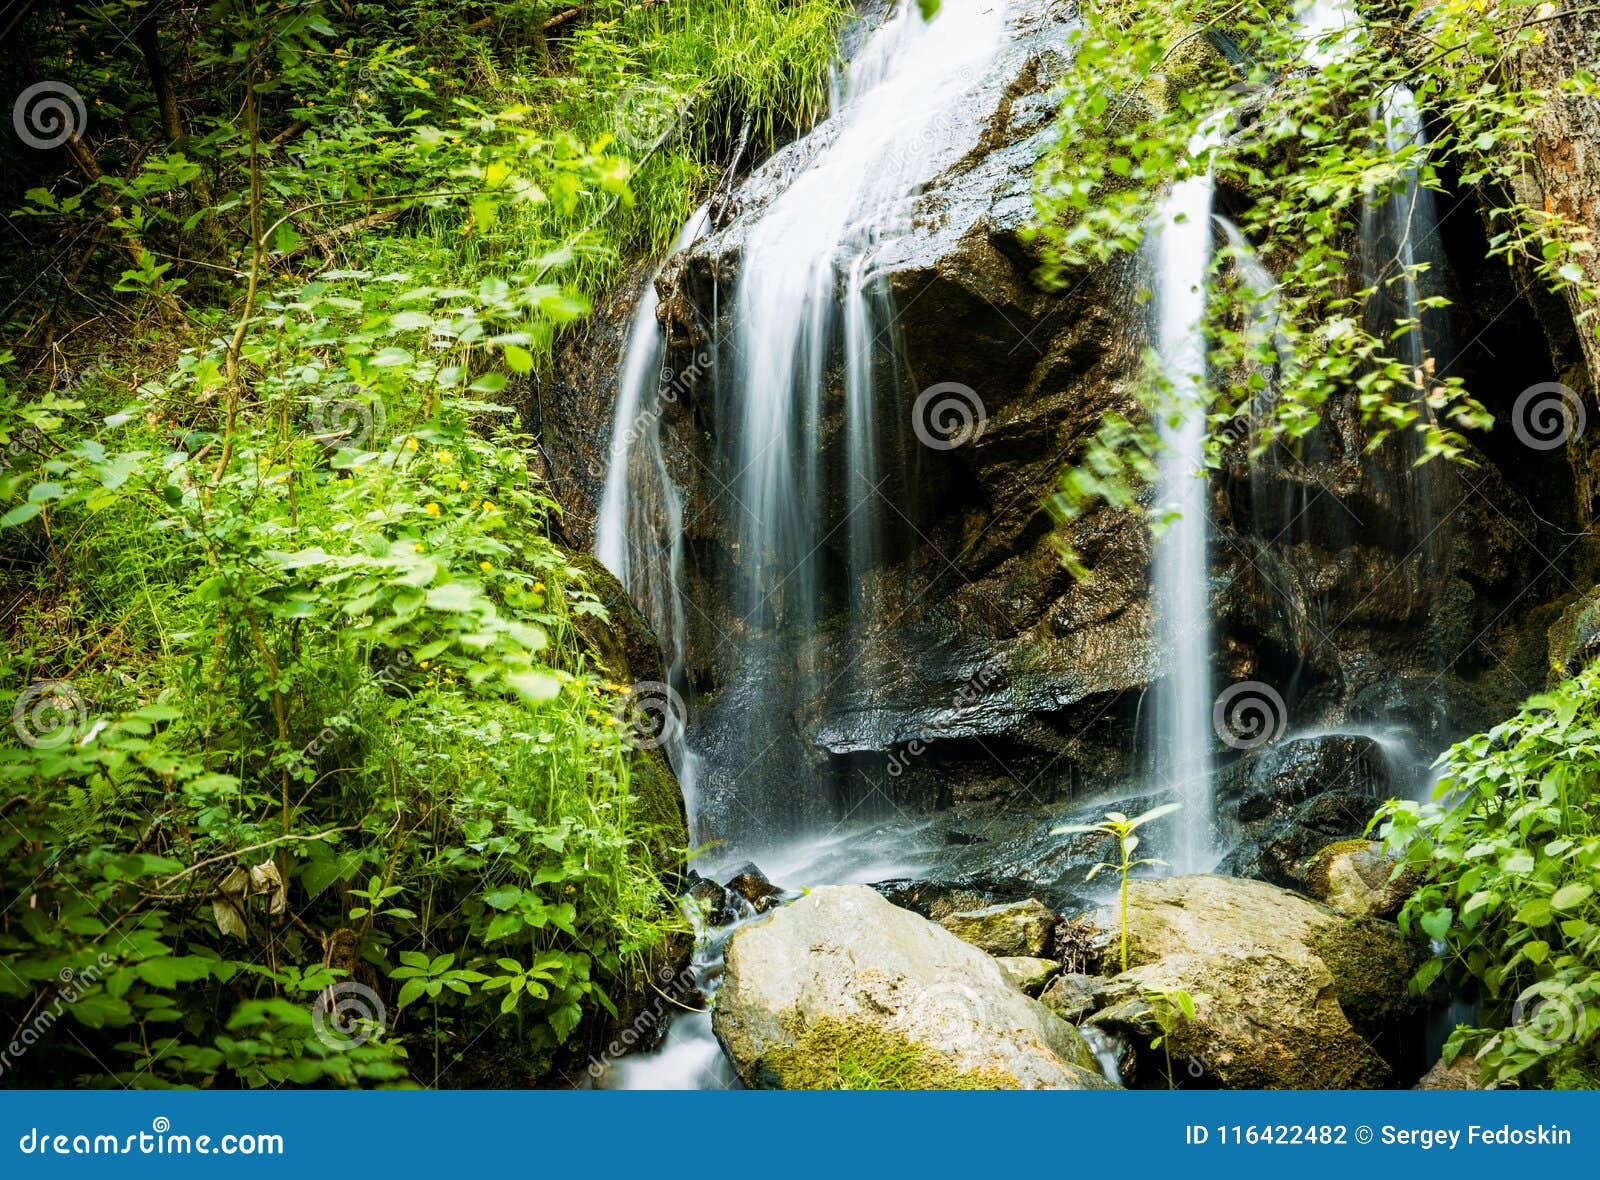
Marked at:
<point>639,525</point>
<point>805,300</point>
<point>1184,696</point>
<point>1402,259</point>
<point>806,296</point>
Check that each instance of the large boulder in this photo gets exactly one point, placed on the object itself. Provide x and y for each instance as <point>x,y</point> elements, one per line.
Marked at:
<point>841,989</point>
<point>1291,993</point>
<point>1016,929</point>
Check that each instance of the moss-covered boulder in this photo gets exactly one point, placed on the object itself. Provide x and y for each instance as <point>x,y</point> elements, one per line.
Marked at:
<point>1018,928</point>
<point>1574,638</point>
<point>1358,878</point>
<point>843,989</point>
<point>1291,993</point>
<point>626,648</point>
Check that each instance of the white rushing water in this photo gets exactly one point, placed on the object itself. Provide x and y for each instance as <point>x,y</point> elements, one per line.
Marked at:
<point>639,533</point>
<point>1330,30</point>
<point>1400,231</point>
<point>808,297</point>
<point>1184,696</point>
<point>807,294</point>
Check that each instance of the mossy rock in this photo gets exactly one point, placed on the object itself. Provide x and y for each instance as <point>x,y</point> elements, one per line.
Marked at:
<point>1290,993</point>
<point>1357,877</point>
<point>1012,929</point>
<point>834,1054</point>
<point>1191,64</point>
<point>626,648</point>
<point>1573,640</point>
<point>841,988</point>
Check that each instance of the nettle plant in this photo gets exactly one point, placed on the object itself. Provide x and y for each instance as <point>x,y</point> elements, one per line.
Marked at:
<point>1290,124</point>
<point>1511,852</point>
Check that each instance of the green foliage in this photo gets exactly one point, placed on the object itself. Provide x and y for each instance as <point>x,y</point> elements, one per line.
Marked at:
<point>1121,828</point>
<point>1169,1009</point>
<point>303,708</point>
<point>1511,852</point>
<point>1158,93</point>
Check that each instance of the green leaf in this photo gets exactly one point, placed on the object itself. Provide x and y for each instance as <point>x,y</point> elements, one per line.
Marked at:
<point>1535,912</point>
<point>1571,896</point>
<point>518,360</point>
<point>410,992</point>
<point>1426,974</point>
<point>503,899</point>
<point>1436,923</point>
<point>171,970</point>
<point>503,926</point>
<point>21,514</point>
<point>534,687</point>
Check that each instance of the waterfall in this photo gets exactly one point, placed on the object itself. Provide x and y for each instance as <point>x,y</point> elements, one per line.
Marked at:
<point>806,300</point>
<point>1400,233</point>
<point>1402,260</point>
<point>638,532</point>
<point>1328,29</point>
<point>1184,696</point>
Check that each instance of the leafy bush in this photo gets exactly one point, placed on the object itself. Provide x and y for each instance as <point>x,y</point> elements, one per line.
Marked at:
<point>1292,129</point>
<point>317,781</point>
<point>1511,851</point>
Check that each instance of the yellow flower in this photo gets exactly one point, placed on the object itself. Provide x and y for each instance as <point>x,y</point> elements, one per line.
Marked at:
<point>424,663</point>
<point>488,506</point>
<point>485,566</point>
<point>537,587</point>
<point>442,456</point>
<point>416,548</point>
<point>432,510</point>
<point>462,486</point>
<point>411,444</point>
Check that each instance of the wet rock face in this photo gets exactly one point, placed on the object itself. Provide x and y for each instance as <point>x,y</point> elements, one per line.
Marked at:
<point>569,407</point>
<point>990,684</point>
<point>841,982</point>
<point>1022,928</point>
<point>985,666</point>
